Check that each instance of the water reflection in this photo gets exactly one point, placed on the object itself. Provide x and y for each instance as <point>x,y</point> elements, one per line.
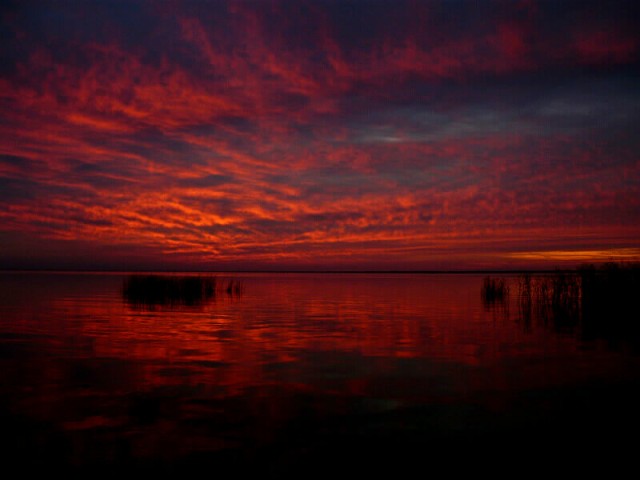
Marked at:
<point>176,290</point>
<point>553,300</point>
<point>592,303</point>
<point>299,368</point>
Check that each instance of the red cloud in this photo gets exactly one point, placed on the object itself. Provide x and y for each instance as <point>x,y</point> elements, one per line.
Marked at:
<point>240,145</point>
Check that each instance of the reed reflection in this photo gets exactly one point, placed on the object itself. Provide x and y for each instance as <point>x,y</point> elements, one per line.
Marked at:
<point>609,303</point>
<point>291,370</point>
<point>597,303</point>
<point>552,300</point>
<point>495,297</point>
<point>168,290</point>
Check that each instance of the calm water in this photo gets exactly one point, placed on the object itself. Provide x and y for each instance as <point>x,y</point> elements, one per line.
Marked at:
<point>302,373</point>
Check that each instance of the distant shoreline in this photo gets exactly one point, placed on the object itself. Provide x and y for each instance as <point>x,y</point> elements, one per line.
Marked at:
<point>602,266</point>
<point>306,272</point>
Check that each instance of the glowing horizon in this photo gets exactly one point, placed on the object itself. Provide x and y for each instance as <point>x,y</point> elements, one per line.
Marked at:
<point>319,135</point>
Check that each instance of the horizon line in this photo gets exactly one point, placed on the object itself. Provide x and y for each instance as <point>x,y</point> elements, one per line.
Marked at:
<point>307,271</point>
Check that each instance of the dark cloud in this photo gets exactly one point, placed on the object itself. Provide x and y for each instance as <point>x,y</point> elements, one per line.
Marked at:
<point>248,131</point>
<point>15,162</point>
<point>206,181</point>
<point>17,189</point>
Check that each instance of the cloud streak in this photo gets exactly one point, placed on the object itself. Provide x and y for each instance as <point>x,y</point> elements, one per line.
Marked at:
<point>332,135</point>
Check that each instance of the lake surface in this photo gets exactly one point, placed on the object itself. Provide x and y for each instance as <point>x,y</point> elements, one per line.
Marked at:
<point>304,373</point>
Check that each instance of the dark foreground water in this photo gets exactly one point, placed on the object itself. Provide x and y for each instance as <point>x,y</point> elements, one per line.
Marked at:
<point>306,374</point>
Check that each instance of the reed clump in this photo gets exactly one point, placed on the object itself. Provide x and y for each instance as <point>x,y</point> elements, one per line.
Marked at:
<point>557,299</point>
<point>609,301</point>
<point>176,289</point>
<point>234,287</point>
<point>553,299</point>
<point>494,290</point>
<point>600,300</point>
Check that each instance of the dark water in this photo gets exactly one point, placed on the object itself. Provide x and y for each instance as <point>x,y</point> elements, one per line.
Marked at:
<point>305,374</point>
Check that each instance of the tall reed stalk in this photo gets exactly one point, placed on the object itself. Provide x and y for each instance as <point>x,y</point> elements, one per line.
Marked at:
<point>177,289</point>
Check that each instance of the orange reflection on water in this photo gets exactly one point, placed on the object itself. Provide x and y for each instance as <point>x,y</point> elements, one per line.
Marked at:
<point>128,383</point>
<point>272,332</point>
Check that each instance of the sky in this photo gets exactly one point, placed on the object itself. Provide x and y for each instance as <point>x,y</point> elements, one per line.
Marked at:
<point>319,135</point>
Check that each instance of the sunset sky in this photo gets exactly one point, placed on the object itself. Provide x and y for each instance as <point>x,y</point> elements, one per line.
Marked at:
<point>319,134</point>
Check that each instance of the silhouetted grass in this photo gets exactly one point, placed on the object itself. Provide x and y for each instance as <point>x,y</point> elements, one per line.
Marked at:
<point>176,290</point>
<point>601,301</point>
<point>558,300</point>
<point>234,287</point>
<point>610,301</point>
<point>494,290</point>
<point>525,297</point>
